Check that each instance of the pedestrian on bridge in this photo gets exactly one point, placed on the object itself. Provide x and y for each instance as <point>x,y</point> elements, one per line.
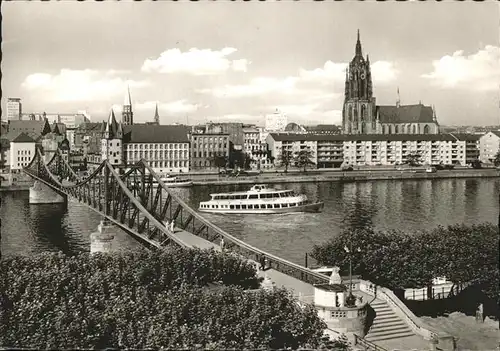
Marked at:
<point>172,227</point>
<point>222,244</point>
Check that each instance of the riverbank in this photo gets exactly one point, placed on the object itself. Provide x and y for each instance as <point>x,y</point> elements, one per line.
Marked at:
<point>17,187</point>
<point>352,176</point>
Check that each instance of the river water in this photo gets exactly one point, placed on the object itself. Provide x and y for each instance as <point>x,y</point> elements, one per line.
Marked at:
<point>410,205</point>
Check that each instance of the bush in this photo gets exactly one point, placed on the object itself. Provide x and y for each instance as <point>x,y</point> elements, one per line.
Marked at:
<point>146,300</point>
<point>398,260</point>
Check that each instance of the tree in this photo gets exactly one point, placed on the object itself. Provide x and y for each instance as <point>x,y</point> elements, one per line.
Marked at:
<point>397,260</point>
<point>285,157</point>
<point>247,161</point>
<point>413,159</point>
<point>220,161</point>
<point>496,160</point>
<point>146,300</point>
<point>303,158</point>
<point>476,164</point>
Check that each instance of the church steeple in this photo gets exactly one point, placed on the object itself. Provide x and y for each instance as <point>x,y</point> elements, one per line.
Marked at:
<point>157,116</point>
<point>127,114</point>
<point>398,101</point>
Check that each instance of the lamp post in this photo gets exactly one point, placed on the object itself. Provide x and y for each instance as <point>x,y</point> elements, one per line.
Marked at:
<point>351,299</point>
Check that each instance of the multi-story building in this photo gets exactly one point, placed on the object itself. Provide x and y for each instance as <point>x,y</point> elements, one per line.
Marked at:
<point>166,147</point>
<point>467,147</point>
<point>207,147</point>
<point>255,148</point>
<point>22,151</point>
<point>14,109</point>
<point>361,115</point>
<point>376,149</point>
<point>4,154</point>
<point>112,142</point>
<point>276,122</point>
<point>489,146</point>
<point>293,143</point>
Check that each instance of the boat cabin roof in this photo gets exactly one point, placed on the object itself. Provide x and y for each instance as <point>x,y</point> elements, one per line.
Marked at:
<point>258,188</point>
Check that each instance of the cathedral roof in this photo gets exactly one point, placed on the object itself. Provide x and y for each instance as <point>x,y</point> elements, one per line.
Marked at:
<point>406,114</point>
<point>145,133</point>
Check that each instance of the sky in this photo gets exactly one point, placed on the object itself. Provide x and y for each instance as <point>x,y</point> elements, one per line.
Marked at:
<point>238,61</point>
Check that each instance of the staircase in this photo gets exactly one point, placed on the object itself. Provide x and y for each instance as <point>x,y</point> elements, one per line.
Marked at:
<point>387,324</point>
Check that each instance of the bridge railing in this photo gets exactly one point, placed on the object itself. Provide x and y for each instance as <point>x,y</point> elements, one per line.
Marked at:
<point>246,250</point>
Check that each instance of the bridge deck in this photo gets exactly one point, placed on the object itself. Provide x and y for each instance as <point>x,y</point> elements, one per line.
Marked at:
<point>279,279</point>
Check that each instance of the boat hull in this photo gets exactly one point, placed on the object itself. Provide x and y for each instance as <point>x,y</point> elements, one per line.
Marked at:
<point>311,208</point>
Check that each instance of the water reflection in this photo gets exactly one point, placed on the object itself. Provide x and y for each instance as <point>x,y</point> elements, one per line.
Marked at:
<point>409,205</point>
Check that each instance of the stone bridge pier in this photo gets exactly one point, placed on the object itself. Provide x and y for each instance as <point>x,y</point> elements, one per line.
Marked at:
<point>41,193</point>
<point>102,240</point>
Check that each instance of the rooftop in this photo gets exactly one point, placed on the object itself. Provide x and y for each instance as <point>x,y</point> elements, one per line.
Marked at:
<point>362,137</point>
<point>144,133</point>
<point>23,138</point>
<point>406,114</point>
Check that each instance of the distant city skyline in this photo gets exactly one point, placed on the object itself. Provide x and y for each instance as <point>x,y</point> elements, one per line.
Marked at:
<point>236,62</point>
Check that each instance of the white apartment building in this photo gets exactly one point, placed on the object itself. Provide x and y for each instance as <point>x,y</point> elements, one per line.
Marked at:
<point>375,149</point>
<point>22,151</point>
<point>14,109</point>
<point>292,143</point>
<point>276,122</point>
<point>489,146</point>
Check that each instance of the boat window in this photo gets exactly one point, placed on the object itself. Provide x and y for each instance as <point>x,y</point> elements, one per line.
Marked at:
<point>285,205</point>
<point>238,207</point>
<point>262,206</point>
<point>292,204</point>
<point>269,206</point>
<point>243,207</point>
<point>276,205</point>
<point>253,196</point>
<point>231,207</point>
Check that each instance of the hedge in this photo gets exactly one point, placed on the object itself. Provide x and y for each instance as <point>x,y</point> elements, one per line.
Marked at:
<point>147,300</point>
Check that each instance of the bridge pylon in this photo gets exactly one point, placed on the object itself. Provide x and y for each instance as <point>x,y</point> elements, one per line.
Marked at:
<point>102,240</point>
<point>41,193</point>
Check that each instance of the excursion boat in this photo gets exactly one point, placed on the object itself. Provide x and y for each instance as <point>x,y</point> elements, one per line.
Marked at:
<point>260,200</point>
<point>174,182</point>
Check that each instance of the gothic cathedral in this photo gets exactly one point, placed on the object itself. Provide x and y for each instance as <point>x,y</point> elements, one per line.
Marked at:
<point>360,114</point>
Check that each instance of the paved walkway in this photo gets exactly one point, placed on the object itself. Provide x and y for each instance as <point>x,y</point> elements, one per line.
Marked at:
<point>305,292</point>
<point>298,287</point>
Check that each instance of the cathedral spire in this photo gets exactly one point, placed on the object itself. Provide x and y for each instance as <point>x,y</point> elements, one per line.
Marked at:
<point>127,114</point>
<point>358,47</point>
<point>398,101</point>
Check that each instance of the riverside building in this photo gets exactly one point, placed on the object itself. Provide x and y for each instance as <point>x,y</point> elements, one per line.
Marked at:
<point>165,147</point>
<point>332,151</point>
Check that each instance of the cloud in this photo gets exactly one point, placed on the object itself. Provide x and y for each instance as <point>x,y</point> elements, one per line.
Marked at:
<point>174,107</point>
<point>332,72</point>
<point>257,86</point>
<point>195,62</point>
<point>308,83</point>
<point>479,71</point>
<point>235,117</point>
<point>383,72</point>
<point>79,85</point>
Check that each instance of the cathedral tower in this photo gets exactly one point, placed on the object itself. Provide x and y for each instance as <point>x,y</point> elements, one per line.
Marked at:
<point>358,114</point>
<point>127,114</point>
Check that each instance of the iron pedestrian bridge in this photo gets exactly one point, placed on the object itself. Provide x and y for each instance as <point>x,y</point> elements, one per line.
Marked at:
<point>139,202</point>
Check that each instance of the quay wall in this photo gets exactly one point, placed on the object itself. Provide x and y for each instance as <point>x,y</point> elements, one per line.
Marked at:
<point>351,176</point>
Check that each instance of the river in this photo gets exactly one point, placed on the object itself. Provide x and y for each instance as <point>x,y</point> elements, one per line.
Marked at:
<point>410,205</point>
